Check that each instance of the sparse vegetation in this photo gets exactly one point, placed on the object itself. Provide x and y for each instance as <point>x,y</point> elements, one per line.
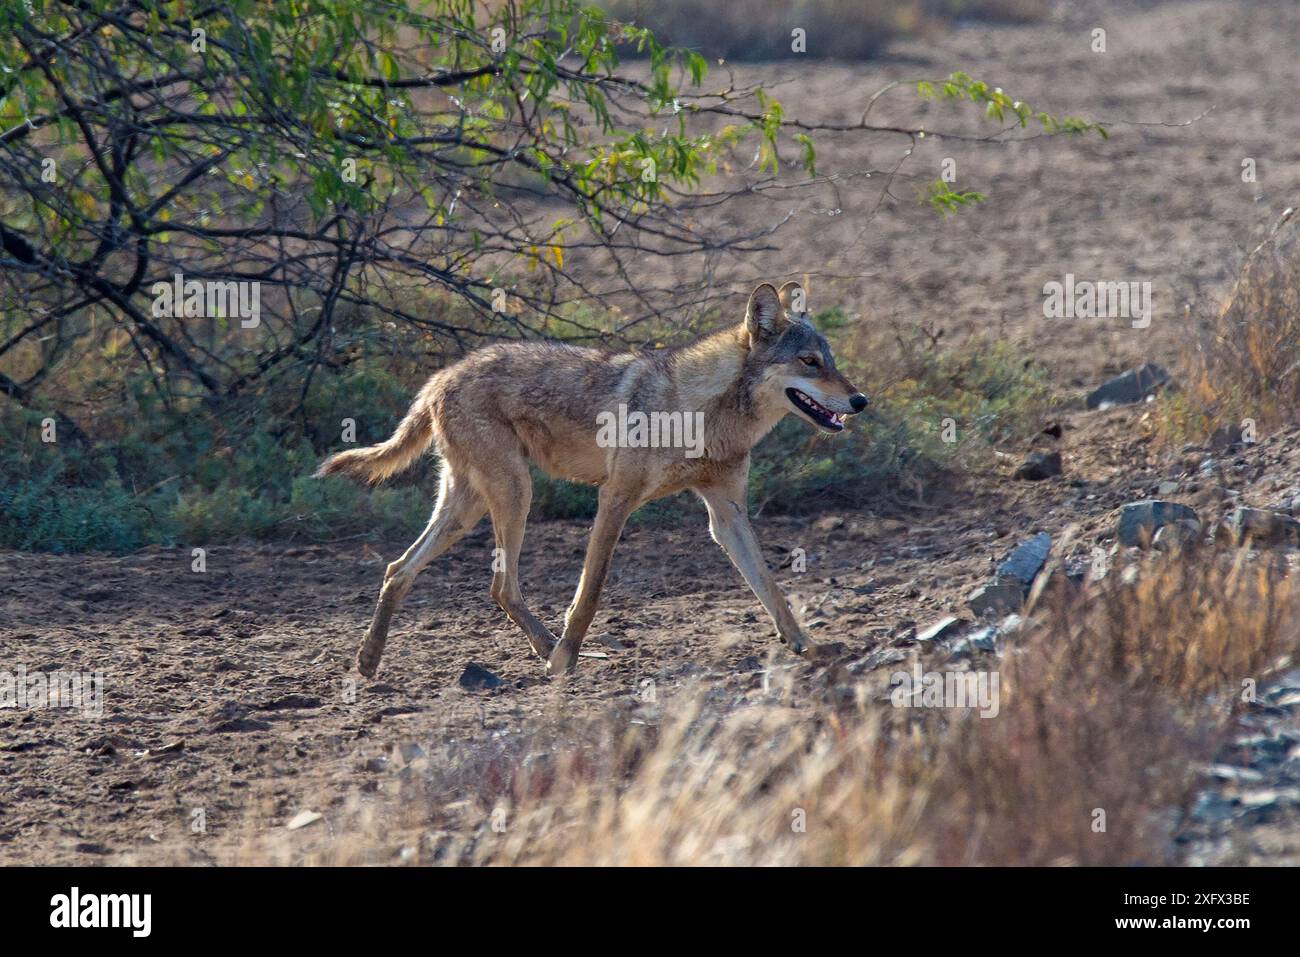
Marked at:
<point>244,473</point>
<point>1246,363</point>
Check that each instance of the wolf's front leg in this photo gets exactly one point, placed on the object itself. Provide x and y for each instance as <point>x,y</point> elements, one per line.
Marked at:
<point>611,515</point>
<point>729,525</point>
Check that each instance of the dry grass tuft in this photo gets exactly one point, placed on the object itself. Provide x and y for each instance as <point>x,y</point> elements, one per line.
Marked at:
<point>1247,363</point>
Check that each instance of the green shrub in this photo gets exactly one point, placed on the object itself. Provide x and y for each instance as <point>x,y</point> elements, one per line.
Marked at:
<point>204,475</point>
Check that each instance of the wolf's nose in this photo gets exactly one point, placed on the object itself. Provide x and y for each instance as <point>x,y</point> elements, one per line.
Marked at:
<point>858,401</point>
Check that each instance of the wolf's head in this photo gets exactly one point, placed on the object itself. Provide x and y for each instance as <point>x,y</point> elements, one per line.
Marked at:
<point>792,368</point>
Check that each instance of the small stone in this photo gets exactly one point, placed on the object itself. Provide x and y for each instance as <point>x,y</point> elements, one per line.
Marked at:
<point>1236,775</point>
<point>1133,386</point>
<point>477,678</point>
<point>1289,502</point>
<point>1026,560</point>
<point>1212,808</point>
<point>1263,527</point>
<point>612,643</point>
<point>943,628</point>
<point>984,639</point>
<point>409,751</point>
<point>1139,521</point>
<point>303,819</point>
<point>997,597</point>
<point>1038,466</point>
<point>1263,799</point>
<point>1167,488</point>
<point>1227,437</point>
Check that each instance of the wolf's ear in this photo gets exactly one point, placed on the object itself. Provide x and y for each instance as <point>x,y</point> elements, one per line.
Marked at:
<point>793,299</point>
<point>764,318</point>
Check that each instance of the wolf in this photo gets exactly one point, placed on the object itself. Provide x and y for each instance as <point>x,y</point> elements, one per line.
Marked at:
<point>508,404</point>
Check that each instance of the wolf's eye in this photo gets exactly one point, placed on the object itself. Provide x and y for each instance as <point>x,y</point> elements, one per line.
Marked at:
<point>808,361</point>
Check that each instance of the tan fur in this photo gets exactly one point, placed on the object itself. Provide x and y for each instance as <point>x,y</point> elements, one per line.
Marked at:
<point>508,404</point>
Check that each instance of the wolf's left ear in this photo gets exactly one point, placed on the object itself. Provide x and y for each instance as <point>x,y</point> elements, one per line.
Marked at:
<point>764,318</point>
<point>793,299</point>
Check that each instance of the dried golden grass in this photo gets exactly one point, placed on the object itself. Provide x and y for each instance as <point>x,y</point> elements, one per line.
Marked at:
<point>1112,699</point>
<point>1246,364</point>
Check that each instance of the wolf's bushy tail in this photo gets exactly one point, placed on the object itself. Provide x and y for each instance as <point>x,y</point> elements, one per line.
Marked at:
<point>377,462</point>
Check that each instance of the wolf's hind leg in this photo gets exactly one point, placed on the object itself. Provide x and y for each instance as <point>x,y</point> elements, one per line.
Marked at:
<point>509,492</point>
<point>458,510</point>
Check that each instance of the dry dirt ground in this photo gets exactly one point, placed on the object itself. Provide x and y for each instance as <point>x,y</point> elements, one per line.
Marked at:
<point>1189,90</point>
<point>227,690</point>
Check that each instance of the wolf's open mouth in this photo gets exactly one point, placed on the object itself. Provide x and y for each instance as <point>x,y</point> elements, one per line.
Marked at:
<point>828,420</point>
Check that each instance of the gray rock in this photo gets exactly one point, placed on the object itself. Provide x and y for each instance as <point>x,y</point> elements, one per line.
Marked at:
<point>1289,679</point>
<point>1226,437</point>
<point>304,819</point>
<point>1286,699</point>
<point>1026,560</point>
<point>985,638</point>
<point>943,628</point>
<point>1139,521</point>
<point>1175,537</point>
<point>1264,751</point>
<point>1263,527</point>
<point>1266,802</point>
<point>1213,808</point>
<point>477,678</point>
<point>409,751</point>
<point>1289,502</point>
<point>1234,774</point>
<point>1038,466</point>
<point>1133,386</point>
<point>997,597</point>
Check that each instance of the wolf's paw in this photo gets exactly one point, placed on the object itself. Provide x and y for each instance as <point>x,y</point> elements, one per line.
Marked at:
<point>543,645</point>
<point>367,664</point>
<point>562,661</point>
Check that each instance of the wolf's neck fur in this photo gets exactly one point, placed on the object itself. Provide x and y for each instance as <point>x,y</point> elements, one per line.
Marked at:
<point>714,376</point>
